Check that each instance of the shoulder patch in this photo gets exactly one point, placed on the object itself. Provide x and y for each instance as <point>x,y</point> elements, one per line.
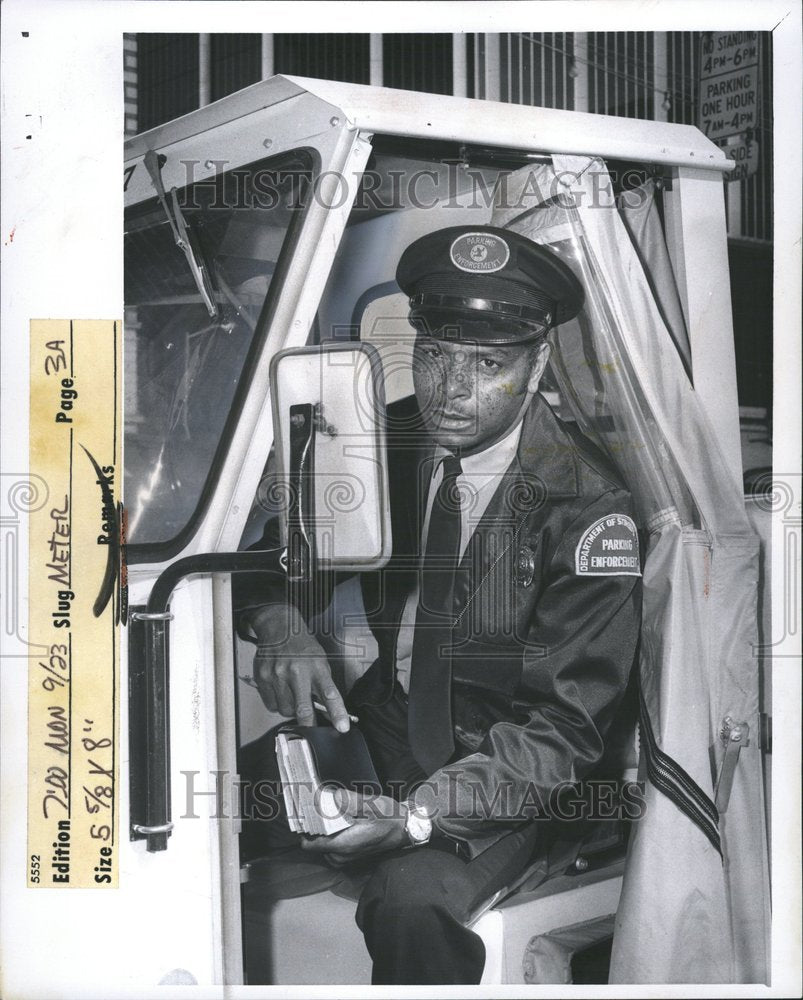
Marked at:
<point>608,547</point>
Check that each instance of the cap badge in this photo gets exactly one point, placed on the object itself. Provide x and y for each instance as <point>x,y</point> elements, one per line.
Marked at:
<point>479,252</point>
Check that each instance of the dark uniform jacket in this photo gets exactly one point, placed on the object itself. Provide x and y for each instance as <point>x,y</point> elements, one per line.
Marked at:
<point>546,612</point>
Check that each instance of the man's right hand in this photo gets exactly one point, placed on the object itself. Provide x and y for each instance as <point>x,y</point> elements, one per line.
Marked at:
<point>291,668</point>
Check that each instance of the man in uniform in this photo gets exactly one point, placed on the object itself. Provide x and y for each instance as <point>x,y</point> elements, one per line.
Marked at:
<point>506,620</point>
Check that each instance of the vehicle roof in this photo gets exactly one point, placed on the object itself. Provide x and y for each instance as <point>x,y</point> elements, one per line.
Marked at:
<point>487,123</point>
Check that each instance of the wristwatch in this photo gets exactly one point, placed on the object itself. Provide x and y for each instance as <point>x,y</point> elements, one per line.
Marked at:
<point>417,825</point>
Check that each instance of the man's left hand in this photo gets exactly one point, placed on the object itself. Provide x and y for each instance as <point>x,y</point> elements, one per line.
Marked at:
<point>377,826</point>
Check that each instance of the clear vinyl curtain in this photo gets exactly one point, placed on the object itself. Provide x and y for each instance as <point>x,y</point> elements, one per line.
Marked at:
<point>695,895</point>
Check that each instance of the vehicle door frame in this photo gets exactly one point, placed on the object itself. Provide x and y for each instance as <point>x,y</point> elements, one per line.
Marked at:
<point>296,120</point>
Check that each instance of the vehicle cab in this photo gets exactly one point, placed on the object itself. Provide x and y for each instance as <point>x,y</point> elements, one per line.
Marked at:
<point>273,221</point>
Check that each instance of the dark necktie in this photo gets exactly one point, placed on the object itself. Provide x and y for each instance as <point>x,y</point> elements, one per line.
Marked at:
<point>430,713</point>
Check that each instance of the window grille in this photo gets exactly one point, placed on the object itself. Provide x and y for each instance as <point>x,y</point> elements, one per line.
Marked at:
<point>418,62</point>
<point>535,69</point>
<point>168,72</point>
<point>344,57</point>
<point>236,62</point>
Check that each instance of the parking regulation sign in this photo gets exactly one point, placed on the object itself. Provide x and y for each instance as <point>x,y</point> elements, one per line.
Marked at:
<point>744,152</point>
<point>728,87</point>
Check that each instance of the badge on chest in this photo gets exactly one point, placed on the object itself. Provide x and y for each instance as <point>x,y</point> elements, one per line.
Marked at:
<point>524,570</point>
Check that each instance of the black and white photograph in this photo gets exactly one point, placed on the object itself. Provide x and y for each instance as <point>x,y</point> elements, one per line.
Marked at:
<point>420,413</point>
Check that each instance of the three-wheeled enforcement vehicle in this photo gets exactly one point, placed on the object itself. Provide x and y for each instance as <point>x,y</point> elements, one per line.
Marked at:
<point>262,237</point>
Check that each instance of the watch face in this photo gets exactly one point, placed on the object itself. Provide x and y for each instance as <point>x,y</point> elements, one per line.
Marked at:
<point>418,826</point>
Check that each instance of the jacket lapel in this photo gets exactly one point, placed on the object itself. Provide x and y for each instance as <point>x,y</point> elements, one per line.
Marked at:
<point>544,470</point>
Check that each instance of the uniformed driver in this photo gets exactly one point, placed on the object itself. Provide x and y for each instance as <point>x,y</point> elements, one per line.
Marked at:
<point>506,619</point>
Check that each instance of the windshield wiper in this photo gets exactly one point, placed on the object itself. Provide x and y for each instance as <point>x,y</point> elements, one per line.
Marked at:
<point>180,232</point>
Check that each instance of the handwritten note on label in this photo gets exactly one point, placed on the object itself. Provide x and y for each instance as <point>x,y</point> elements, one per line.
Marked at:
<point>73,697</point>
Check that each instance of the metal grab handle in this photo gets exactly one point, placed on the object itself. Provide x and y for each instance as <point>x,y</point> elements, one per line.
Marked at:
<point>149,688</point>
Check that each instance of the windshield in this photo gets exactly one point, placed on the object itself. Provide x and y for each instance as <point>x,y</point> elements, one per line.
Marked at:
<point>188,343</point>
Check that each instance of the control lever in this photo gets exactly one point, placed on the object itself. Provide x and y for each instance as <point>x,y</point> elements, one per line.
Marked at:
<point>734,736</point>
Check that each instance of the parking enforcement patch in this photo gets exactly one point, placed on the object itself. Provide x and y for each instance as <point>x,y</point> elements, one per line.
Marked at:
<point>609,547</point>
<point>479,252</point>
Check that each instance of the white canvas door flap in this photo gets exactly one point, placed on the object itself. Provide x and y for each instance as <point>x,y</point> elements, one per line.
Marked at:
<point>639,213</point>
<point>693,903</point>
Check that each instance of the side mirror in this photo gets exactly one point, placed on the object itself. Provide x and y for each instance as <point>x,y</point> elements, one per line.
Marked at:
<point>328,420</point>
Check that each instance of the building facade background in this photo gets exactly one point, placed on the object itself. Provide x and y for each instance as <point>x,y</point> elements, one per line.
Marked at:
<point>651,75</point>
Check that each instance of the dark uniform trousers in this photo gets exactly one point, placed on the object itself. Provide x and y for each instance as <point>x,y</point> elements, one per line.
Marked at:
<point>417,901</point>
<point>414,909</point>
<point>550,595</point>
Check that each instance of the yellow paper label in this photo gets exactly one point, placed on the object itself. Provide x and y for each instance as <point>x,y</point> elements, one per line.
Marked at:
<point>73,696</point>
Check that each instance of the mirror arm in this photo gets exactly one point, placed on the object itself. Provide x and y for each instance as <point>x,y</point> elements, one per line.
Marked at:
<point>300,538</point>
<point>266,561</point>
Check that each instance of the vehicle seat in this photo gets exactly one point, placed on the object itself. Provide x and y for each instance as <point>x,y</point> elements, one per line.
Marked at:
<point>300,927</point>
